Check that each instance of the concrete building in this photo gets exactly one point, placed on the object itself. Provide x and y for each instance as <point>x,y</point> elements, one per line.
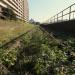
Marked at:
<point>20,8</point>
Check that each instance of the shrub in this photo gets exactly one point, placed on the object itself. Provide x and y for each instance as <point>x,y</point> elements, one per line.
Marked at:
<point>8,13</point>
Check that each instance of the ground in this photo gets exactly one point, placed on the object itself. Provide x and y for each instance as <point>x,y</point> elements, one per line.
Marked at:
<point>38,52</point>
<point>11,29</point>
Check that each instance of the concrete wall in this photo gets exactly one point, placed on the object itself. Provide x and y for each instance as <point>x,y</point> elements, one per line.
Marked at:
<point>66,26</point>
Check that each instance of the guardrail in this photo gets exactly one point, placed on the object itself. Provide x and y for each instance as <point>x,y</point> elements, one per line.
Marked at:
<point>64,15</point>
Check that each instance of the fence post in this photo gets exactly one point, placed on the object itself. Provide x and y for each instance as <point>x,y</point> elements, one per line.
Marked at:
<point>57,17</point>
<point>50,20</point>
<point>73,15</point>
<point>62,15</point>
<point>54,19</point>
<point>70,13</point>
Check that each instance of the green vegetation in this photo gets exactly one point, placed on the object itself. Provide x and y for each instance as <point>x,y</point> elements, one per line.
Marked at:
<point>8,13</point>
<point>40,53</point>
<point>10,29</point>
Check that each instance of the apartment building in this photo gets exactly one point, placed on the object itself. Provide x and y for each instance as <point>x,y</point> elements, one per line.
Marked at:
<point>20,8</point>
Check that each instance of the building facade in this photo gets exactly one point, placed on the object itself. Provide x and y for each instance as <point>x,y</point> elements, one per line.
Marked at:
<point>20,8</point>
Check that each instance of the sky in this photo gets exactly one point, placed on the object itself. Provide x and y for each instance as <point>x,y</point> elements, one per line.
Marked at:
<point>42,10</point>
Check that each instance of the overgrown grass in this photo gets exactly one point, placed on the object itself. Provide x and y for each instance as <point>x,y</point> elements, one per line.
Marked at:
<point>10,29</point>
<point>40,53</point>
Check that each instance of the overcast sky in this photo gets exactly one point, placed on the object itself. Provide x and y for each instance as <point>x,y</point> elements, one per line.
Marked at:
<point>41,10</point>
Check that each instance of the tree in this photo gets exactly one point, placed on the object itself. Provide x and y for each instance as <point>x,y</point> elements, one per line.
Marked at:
<point>32,21</point>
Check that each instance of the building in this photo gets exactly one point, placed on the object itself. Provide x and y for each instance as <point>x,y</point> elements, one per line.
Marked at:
<point>20,8</point>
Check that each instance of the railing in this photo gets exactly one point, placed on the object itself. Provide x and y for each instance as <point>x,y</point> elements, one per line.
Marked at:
<point>65,15</point>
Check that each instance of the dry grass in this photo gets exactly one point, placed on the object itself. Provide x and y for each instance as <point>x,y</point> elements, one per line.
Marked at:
<point>12,29</point>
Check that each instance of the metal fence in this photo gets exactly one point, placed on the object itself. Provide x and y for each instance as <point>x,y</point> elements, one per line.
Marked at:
<point>64,15</point>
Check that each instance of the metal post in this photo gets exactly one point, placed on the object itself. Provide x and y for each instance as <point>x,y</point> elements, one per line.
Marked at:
<point>62,15</point>
<point>50,21</point>
<point>73,15</point>
<point>57,17</point>
<point>70,13</point>
<point>54,19</point>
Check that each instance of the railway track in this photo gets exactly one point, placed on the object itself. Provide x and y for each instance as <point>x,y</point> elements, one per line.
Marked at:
<point>6,45</point>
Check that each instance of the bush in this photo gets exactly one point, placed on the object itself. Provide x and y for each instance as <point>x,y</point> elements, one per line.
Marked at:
<point>8,13</point>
